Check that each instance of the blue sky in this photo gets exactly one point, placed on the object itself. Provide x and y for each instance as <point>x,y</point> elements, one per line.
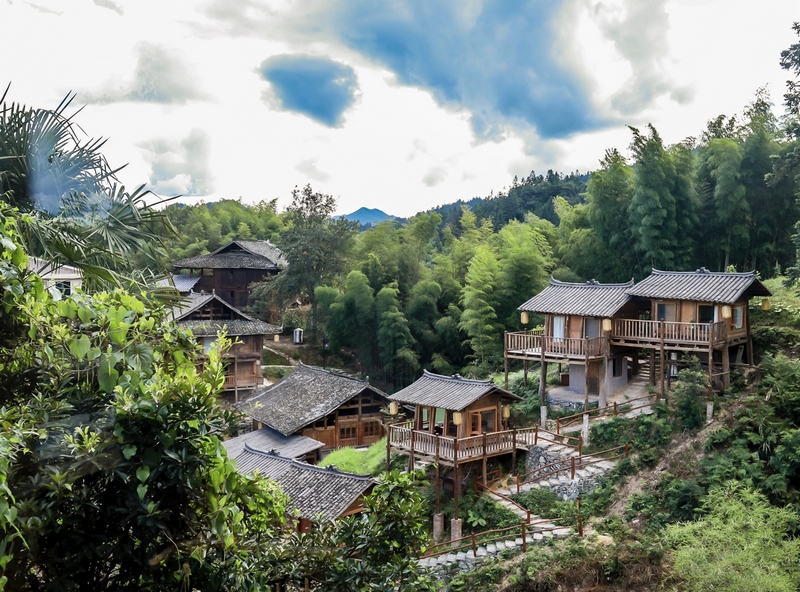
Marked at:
<point>401,105</point>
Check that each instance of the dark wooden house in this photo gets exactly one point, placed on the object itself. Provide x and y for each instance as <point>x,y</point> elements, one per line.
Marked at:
<point>206,315</point>
<point>229,271</point>
<point>314,492</point>
<point>335,409</point>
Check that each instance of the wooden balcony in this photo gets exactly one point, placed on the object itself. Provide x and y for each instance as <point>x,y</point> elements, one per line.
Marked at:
<point>449,451</point>
<point>624,332</point>
<point>673,335</point>
<point>532,344</point>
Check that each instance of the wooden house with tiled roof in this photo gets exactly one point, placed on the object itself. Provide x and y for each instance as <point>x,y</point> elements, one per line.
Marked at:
<point>314,492</point>
<point>206,315</point>
<point>335,409</point>
<point>229,271</point>
<point>598,326</point>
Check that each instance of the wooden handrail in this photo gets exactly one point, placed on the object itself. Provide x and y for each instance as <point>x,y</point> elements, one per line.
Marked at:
<point>614,408</point>
<point>573,464</point>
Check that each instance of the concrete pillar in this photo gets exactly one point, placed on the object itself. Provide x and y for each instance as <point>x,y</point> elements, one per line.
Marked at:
<point>543,412</point>
<point>585,428</point>
<point>455,529</point>
<point>438,527</point>
<point>709,411</point>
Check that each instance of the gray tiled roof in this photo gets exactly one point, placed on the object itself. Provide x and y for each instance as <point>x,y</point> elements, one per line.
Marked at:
<point>302,397</point>
<point>181,281</point>
<point>590,299</point>
<point>237,254</point>
<point>268,440</point>
<point>701,285</point>
<point>239,324</point>
<point>312,491</point>
<point>453,393</point>
<point>231,327</point>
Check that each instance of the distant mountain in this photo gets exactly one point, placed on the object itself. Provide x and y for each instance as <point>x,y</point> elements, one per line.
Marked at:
<point>368,216</point>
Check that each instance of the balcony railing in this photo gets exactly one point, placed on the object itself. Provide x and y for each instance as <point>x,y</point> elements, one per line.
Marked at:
<point>534,343</point>
<point>672,333</point>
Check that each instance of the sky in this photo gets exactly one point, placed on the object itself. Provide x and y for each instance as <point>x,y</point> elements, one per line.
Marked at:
<point>401,105</point>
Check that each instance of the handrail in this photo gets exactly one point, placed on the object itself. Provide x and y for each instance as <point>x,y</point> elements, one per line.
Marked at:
<point>574,463</point>
<point>615,406</point>
<point>537,436</point>
<point>479,485</point>
<point>453,545</point>
<point>669,331</point>
<point>549,344</point>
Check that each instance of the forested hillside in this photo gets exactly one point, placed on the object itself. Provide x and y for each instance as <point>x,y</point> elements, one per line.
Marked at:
<point>438,291</point>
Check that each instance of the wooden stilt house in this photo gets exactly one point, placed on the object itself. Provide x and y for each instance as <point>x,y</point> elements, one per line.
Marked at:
<point>456,421</point>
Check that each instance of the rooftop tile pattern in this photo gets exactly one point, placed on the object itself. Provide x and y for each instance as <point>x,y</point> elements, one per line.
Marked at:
<point>701,286</point>
<point>589,299</point>
<point>453,393</point>
<point>268,440</point>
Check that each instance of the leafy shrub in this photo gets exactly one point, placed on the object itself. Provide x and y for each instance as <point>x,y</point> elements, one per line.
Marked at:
<point>371,461</point>
<point>690,393</point>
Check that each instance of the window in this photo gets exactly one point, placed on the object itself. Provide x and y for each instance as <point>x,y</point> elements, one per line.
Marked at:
<point>666,311</point>
<point>705,313</point>
<point>592,328</point>
<point>372,429</point>
<point>737,317</point>
<point>559,324</point>
<point>208,343</point>
<point>618,366</point>
<point>347,432</point>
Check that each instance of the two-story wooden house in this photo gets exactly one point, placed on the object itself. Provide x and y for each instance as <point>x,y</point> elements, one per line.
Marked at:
<point>206,315</point>
<point>229,271</point>
<point>329,407</point>
<point>597,328</point>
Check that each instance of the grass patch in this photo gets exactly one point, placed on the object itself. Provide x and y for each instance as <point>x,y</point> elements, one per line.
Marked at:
<point>371,461</point>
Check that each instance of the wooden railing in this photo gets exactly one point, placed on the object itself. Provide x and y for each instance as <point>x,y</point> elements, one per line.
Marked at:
<point>572,464</point>
<point>672,333</point>
<point>614,409</point>
<point>535,343</point>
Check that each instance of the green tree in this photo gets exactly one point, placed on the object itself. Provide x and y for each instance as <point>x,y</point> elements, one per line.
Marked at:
<point>479,319</point>
<point>395,342</point>
<point>741,543</point>
<point>315,247</point>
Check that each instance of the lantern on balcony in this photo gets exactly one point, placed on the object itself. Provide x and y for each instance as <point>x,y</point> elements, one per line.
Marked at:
<point>523,317</point>
<point>765,304</point>
<point>607,325</point>
<point>726,312</point>
<point>506,411</point>
<point>394,408</point>
<point>457,418</point>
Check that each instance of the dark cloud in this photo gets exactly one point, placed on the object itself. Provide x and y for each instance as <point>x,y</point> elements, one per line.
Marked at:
<point>498,59</point>
<point>180,167</point>
<point>161,76</point>
<point>110,5</point>
<point>318,87</point>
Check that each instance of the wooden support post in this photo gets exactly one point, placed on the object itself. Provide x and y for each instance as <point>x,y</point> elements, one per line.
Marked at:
<point>750,355</point>
<point>456,489</point>
<point>542,394</point>
<point>710,403</point>
<point>485,482</point>
<point>524,541</point>
<point>726,367</point>
<point>438,480</point>
<point>663,370</point>
<point>580,519</point>
<point>572,468</point>
<point>505,358</point>
<point>411,455</point>
<point>388,448</point>
<point>514,451</point>
<point>653,367</point>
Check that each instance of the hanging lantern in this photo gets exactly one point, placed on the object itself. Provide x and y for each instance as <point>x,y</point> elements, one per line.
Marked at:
<point>457,418</point>
<point>726,312</point>
<point>394,408</point>
<point>524,317</point>
<point>765,304</point>
<point>506,411</point>
<point>607,325</point>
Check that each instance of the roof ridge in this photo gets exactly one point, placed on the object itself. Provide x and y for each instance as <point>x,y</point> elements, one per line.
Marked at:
<point>305,465</point>
<point>703,271</point>
<point>456,378</point>
<point>591,284</point>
